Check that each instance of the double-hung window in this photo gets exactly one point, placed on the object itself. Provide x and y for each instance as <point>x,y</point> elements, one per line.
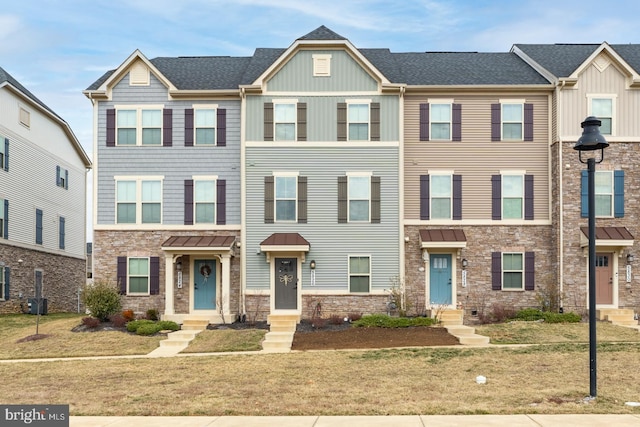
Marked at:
<point>62,177</point>
<point>604,193</point>
<point>205,126</point>
<point>440,121</point>
<point>441,196</point>
<point>139,200</point>
<point>359,198</point>
<point>3,284</point>
<point>512,121</point>
<point>359,273</point>
<point>358,121</point>
<point>61,232</point>
<point>603,107</point>
<point>286,191</point>
<point>4,213</point>
<point>4,153</point>
<point>204,195</point>
<point>512,271</point>
<point>139,126</point>
<point>138,276</point>
<point>284,121</point>
<point>512,196</point>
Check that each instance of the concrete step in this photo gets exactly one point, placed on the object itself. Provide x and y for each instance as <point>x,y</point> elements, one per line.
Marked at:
<point>174,343</point>
<point>473,339</point>
<point>284,317</point>
<point>460,330</point>
<point>602,313</point>
<point>276,347</point>
<point>195,324</point>
<point>283,327</point>
<point>450,317</point>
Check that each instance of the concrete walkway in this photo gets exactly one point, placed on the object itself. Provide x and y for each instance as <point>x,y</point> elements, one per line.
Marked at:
<point>532,420</point>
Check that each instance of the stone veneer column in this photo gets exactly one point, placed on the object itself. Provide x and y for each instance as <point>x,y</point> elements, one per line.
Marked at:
<point>225,261</point>
<point>168,284</point>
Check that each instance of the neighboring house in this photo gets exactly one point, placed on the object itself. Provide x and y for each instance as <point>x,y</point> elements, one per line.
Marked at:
<point>602,81</point>
<point>317,177</point>
<point>42,204</point>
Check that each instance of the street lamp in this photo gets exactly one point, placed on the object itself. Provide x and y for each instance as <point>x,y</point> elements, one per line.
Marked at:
<point>592,140</point>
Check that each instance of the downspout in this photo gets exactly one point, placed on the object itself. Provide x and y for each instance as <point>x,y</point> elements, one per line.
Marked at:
<point>560,195</point>
<point>402,244</point>
<point>242,309</point>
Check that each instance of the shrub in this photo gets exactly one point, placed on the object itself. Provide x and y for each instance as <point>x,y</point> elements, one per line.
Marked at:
<point>135,324</point>
<point>336,319</point>
<point>355,316</point>
<point>101,299</point>
<point>128,315</point>
<point>152,314</point>
<point>118,320</point>
<point>384,321</point>
<point>90,322</point>
<point>561,317</point>
<point>148,329</point>
<point>318,322</point>
<point>168,325</point>
<point>530,314</point>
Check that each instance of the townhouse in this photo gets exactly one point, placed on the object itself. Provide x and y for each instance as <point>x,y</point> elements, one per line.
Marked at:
<point>321,178</point>
<point>43,194</point>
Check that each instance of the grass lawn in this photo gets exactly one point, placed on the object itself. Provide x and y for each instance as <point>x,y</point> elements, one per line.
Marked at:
<point>547,378</point>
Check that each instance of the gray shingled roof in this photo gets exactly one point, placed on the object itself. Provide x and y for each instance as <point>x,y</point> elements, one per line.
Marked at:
<point>562,60</point>
<point>430,68</point>
<point>6,77</point>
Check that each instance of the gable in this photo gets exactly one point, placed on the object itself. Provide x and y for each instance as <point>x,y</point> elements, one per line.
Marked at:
<point>300,73</point>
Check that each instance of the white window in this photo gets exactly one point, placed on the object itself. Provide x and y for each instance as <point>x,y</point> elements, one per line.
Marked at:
<point>2,218</point>
<point>285,121</point>
<point>138,200</point>
<point>205,201</point>
<point>205,126</point>
<point>139,126</point>
<point>604,193</point>
<point>138,276</point>
<point>440,121</point>
<point>441,196</point>
<point>513,271</point>
<point>512,196</point>
<point>358,121</point>
<point>286,192</point>
<point>603,107</point>
<point>359,198</point>
<point>512,121</point>
<point>359,273</point>
<point>321,65</point>
<point>4,147</point>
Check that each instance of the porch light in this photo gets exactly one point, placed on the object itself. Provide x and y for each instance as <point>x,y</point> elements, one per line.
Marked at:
<point>465,263</point>
<point>629,258</point>
<point>179,265</point>
<point>312,264</point>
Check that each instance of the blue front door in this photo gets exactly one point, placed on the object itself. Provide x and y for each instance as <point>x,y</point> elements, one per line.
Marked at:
<point>440,279</point>
<point>204,284</point>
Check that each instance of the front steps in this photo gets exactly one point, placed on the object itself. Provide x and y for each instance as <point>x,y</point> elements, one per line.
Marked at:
<point>281,331</point>
<point>452,321</point>
<point>179,340</point>
<point>618,316</point>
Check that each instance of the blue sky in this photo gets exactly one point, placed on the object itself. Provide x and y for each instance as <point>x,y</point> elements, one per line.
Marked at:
<point>57,48</point>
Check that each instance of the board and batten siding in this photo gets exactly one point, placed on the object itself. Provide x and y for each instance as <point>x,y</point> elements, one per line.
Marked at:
<point>347,75</point>
<point>611,81</point>
<point>175,163</point>
<point>322,116</point>
<point>30,183</point>
<point>331,243</point>
<point>476,158</point>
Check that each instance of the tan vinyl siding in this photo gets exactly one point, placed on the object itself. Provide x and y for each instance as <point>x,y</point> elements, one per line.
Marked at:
<point>476,157</point>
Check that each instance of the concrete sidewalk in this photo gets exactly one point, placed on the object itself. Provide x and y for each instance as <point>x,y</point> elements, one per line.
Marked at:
<point>531,420</point>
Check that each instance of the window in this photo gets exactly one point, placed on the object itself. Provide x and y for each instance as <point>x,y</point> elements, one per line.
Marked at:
<point>138,201</point>
<point>512,196</point>
<point>441,196</point>
<point>38,226</point>
<point>440,126</point>
<point>609,194</point>
<point>62,177</point>
<point>359,197</point>
<point>61,232</point>
<point>512,120</point>
<point>285,122</point>
<point>139,126</point>
<point>286,198</point>
<point>205,126</point>
<point>138,276</point>
<point>4,153</point>
<point>602,108</point>
<point>358,122</point>
<point>4,282</point>
<point>205,201</point>
<point>321,65</point>
<point>4,218</point>
<point>512,271</point>
<point>359,273</point>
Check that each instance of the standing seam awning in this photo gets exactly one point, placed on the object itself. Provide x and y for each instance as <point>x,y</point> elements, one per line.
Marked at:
<point>199,243</point>
<point>285,242</point>
<point>443,238</point>
<point>607,236</point>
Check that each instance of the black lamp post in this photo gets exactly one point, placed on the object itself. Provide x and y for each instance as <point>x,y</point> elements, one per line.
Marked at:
<point>592,140</point>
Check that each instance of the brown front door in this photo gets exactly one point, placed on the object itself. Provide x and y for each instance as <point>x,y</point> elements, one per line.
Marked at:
<point>604,278</point>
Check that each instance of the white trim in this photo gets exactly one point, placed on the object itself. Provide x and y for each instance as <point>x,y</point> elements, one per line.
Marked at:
<point>139,127</point>
<point>449,103</point>
<point>321,65</point>
<point>138,180</point>
<point>128,276</point>
<point>370,275</point>
<point>288,175</point>
<point>614,101</point>
<point>202,179</point>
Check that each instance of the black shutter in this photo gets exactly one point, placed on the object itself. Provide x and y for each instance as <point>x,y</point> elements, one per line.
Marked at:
<point>529,271</point>
<point>457,197</point>
<point>343,188</point>
<point>528,197</point>
<point>111,127</point>
<point>342,121</point>
<point>154,278</point>
<point>302,121</point>
<point>188,127</point>
<point>122,275</point>
<point>456,122</point>
<point>7,277</point>
<point>375,200</point>
<point>58,176</point>
<point>424,122</point>
<point>496,120</point>
<point>66,179</point>
<point>302,199</point>
<point>268,121</point>
<point>221,202</point>
<point>375,121</point>
<point>496,197</point>
<point>221,137</point>
<point>39,215</point>
<point>6,219</point>
<point>167,127</point>
<point>188,202</point>
<point>269,196</point>
<point>528,122</point>
<point>6,154</point>
<point>424,197</point>
<point>496,271</point>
